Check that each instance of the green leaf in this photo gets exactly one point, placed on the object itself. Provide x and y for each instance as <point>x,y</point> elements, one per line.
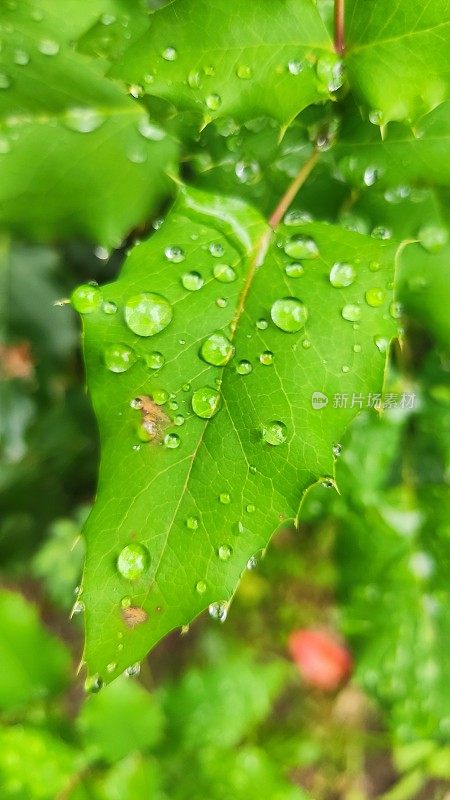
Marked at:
<point>201,509</point>
<point>120,720</point>
<point>231,58</point>
<point>425,290</point>
<point>131,778</point>
<point>397,56</point>
<point>62,129</point>
<point>73,19</point>
<point>59,561</point>
<point>34,765</point>
<point>35,664</point>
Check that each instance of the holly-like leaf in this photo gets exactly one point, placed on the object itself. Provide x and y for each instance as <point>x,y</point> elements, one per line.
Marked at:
<point>178,516</point>
<point>63,128</point>
<point>224,57</point>
<point>397,56</point>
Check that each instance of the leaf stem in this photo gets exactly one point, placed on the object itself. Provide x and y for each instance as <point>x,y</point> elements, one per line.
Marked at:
<point>292,190</point>
<point>339,36</point>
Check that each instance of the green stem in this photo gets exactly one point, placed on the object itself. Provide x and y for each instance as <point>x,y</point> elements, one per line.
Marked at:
<point>292,190</point>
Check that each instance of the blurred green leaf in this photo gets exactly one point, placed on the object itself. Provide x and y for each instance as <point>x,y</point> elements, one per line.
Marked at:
<point>132,778</point>
<point>59,561</point>
<point>35,664</point>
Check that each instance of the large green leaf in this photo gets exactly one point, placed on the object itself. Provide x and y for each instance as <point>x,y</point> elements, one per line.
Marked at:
<point>205,502</point>
<point>34,663</point>
<point>225,57</point>
<point>77,155</point>
<point>397,56</point>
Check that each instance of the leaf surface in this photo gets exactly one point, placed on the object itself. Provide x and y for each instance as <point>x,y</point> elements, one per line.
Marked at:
<point>209,499</point>
<point>226,57</point>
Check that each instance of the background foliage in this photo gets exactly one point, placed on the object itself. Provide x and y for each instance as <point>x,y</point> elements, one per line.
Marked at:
<point>104,109</point>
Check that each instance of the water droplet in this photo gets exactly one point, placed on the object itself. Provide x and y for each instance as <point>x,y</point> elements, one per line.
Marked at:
<point>250,508</point>
<point>244,367</point>
<point>192,523</point>
<point>289,314</point>
<point>21,57</point>
<point>218,611</point>
<point>83,120</point>
<point>252,563</point>
<point>382,343</point>
<point>174,254</point>
<point>337,450</point>
<point>345,368</point>
<point>111,667</point>
<point>342,275</point>
<point>294,270</point>
<point>5,81</point>
<point>351,312</point>
<point>169,54</point>
<point>172,441</point>
<point>224,273</point>
<point>380,232</point>
<point>295,67</point>
<point>178,420</point>
<point>213,101</point>
<point>86,298</point>
<point>327,482</point>
<point>330,71</point>
<point>194,79</point>
<point>206,402</point>
<point>192,281</point>
<point>200,587</point>
<point>306,344</point>
<point>125,602</point>
<point>133,561</point>
<point>149,130</point>
<point>222,302</point>
<point>155,360</point>
<point>248,172</point>
<point>262,324</point>
<point>301,247</point>
<point>5,146</point>
<point>217,350</point>
<point>224,552</point>
<point>266,358</point>
<point>374,266</point>
<point>376,117</point>
<point>224,498</point>
<point>244,72</point>
<point>433,237</point>
<point>375,297</point>
<point>274,433</point>
<point>147,314</point>
<point>48,47</point>
<point>216,249</point>
<point>77,608</point>
<point>160,396</point>
<point>93,684</point>
<point>357,348</point>
<point>296,217</point>
<point>119,357</point>
<point>133,670</point>
<point>108,307</point>
<point>396,309</point>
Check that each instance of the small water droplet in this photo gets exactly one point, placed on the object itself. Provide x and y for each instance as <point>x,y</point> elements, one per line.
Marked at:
<point>289,314</point>
<point>244,367</point>
<point>174,254</point>
<point>218,611</point>
<point>382,343</point>
<point>224,552</point>
<point>376,117</point>
<point>216,249</point>
<point>224,498</point>
<point>396,309</point>
<point>160,396</point>
<point>172,441</point>
<point>266,358</point>
<point>5,81</point>
<point>155,360</point>
<point>345,368</point>
<point>217,350</point>
<point>342,275</point>
<point>133,670</point>
<point>93,684</point>
<point>111,667</point>
<point>327,482</point>
<point>136,403</point>
<point>351,312</point>
<point>108,307</point>
<point>433,237</point>
<point>248,172</point>
<point>83,120</point>
<point>330,71</point>
<point>200,587</point>
<point>244,72</point>
<point>380,232</point>
<point>374,266</point>
<point>375,297</point>
<point>21,57</point>
<point>119,357</point>
<point>213,101</point>
<point>274,432</point>
<point>206,402</point>
<point>301,247</point>
<point>192,281</point>
<point>337,450</point>
<point>294,270</point>
<point>192,523</point>
<point>48,47</point>
<point>169,54</point>
<point>224,273</point>
<point>306,344</point>
<point>86,298</point>
<point>133,561</point>
<point>194,79</point>
<point>250,508</point>
<point>149,130</point>
<point>357,348</point>
<point>222,302</point>
<point>147,314</point>
<point>262,324</point>
<point>295,67</point>
<point>252,563</point>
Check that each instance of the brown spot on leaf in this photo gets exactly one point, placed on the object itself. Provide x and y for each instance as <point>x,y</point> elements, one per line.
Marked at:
<point>134,616</point>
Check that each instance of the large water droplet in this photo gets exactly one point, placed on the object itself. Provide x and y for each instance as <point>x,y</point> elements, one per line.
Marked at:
<point>342,275</point>
<point>301,247</point>
<point>217,350</point>
<point>274,432</point>
<point>289,314</point>
<point>206,402</point>
<point>375,297</point>
<point>174,254</point>
<point>351,312</point>
<point>133,561</point>
<point>224,552</point>
<point>224,273</point>
<point>83,120</point>
<point>147,314</point>
<point>433,237</point>
<point>86,298</point>
<point>119,357</point>
<point>192,281</point>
